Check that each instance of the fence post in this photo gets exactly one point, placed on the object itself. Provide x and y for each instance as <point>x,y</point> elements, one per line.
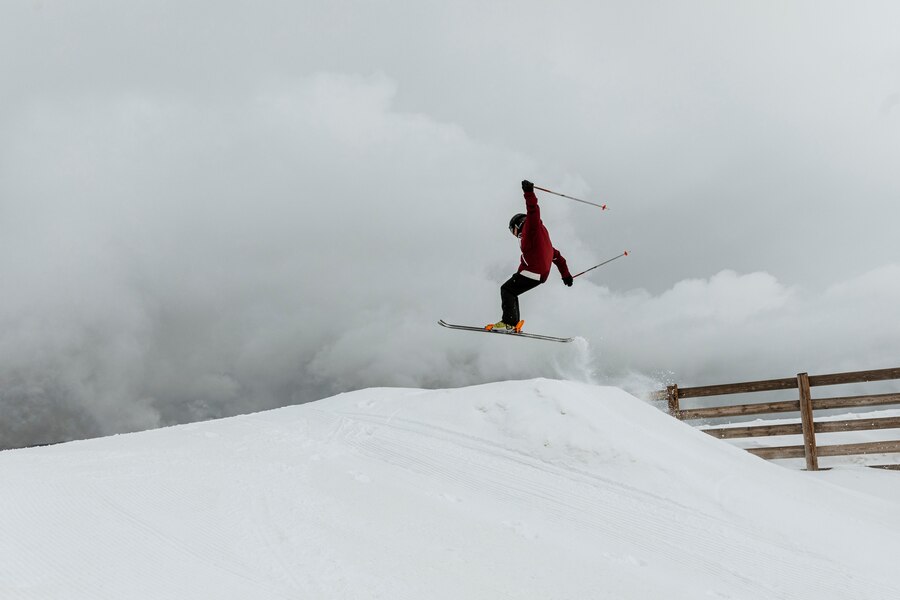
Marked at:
<point>672,398</point>
<point>806,418</point>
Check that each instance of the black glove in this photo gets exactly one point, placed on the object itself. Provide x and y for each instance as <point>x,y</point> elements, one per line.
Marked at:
<point>527,186</point>
<point>568,280</point>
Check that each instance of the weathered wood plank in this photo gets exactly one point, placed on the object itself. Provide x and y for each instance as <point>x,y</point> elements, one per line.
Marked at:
<point>738,388</point>
<point>855,401</point>
<point>672,400</point>
<point>787,383</point>
<point>806,418</point>
<point>776,452</point>
<point>861,448</point>
<point>730,433</point>
<point>760,408</point>
<point>656,396</point>
<point>855,377</point>
<point>751,431</point>
<point>857,425</point>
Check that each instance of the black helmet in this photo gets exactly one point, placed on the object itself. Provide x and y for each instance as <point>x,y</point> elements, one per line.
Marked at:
<point>516,222</point>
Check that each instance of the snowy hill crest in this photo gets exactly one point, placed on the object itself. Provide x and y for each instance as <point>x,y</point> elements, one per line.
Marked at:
<point>529,489</point>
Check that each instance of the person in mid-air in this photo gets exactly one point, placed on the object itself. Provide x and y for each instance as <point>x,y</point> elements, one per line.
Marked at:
<point>534,267</point>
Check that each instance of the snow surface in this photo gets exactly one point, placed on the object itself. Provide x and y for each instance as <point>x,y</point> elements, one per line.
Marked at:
<point>532,489</point>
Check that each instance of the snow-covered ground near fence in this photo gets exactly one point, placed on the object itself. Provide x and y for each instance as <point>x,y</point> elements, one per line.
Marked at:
<point>532,489</point>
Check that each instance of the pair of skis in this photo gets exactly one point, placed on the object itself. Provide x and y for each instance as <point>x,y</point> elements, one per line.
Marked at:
<point>532,336</point>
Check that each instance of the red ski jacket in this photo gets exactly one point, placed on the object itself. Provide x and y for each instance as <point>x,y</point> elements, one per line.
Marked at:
<point>537,250</point>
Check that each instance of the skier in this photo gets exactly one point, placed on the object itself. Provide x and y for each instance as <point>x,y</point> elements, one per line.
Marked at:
<point>534,267</point>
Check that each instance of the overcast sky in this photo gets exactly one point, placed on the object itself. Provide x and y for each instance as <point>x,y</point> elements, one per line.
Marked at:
<point>210,208</point>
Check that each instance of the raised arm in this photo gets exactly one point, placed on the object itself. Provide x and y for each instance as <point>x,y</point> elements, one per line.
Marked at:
<point>532,210</point>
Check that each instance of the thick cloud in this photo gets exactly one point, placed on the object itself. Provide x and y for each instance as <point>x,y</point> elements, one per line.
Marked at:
<point>163,259</point>
<point>235,210</point>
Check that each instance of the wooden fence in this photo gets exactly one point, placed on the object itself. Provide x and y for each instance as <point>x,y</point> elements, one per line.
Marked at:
<point>806,405</point>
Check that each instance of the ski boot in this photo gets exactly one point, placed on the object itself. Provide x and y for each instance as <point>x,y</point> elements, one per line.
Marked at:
<point>501,327</point>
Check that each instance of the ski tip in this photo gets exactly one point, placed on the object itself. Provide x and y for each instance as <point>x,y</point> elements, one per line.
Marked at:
<point>626,253</point>
<point>603,207</point>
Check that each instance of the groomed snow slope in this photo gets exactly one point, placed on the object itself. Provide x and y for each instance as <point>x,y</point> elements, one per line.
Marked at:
<point>533,489</point>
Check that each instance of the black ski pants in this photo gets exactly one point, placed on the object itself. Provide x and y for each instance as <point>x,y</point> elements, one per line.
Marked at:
<point>509,296</point>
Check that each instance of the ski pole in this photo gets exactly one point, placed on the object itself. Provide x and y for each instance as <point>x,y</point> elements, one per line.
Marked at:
<point>600,206</point>
<point>601,264</point>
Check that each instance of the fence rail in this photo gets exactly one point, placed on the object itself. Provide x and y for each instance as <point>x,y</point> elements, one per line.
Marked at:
<point>806,405</point>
